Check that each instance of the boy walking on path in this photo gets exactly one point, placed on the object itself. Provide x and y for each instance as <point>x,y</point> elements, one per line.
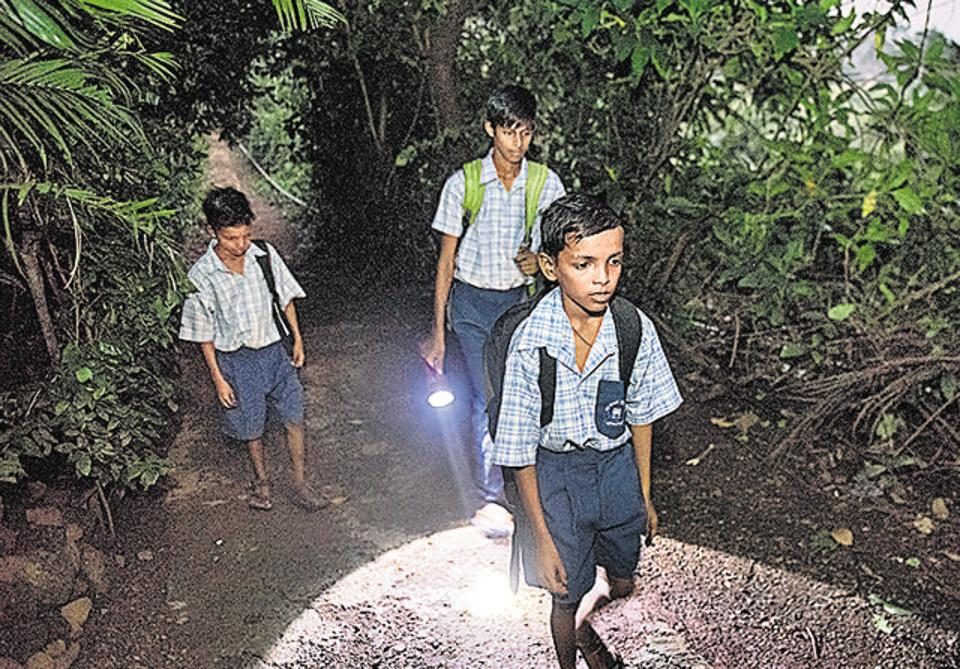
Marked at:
<point>487,261</point>
<point>231,317</point>
<point>583,478</point>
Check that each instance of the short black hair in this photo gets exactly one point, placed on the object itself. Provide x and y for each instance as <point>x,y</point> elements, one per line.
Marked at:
<point>571,218</point>
<point>227,207</point>
<point>511,106</point>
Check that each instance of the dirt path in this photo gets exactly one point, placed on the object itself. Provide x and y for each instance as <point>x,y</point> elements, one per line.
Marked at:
<point>390,576</point>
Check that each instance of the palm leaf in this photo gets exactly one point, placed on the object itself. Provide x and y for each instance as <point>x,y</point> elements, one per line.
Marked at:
<point>52,105</point>
<point>306,14</point>
<point>154,12</point>
<point>40,22</point>
<point>141,216</point>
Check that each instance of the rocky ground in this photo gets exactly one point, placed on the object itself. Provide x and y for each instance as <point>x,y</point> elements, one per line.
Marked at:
<point>754,568</point>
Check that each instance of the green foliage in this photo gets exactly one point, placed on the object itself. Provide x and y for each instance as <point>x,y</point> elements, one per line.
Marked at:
<point>277,138</point>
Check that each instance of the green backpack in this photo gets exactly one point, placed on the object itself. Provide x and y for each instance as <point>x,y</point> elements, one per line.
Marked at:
<point>473,194</point>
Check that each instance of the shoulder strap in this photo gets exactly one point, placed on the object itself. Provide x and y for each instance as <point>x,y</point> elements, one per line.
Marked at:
<point>472,191</point>
<point>536,179</point>
<point>279,318</point>
<point>626,319</point>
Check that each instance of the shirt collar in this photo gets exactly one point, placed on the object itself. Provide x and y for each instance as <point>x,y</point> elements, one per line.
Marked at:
<point>488,171</point>
<point>212,263</point>
<point>549,327</point>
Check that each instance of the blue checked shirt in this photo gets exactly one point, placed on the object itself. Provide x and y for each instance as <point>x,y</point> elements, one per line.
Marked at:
<point>652,392</point>
<point>234,310</point>
<point>487,249</point>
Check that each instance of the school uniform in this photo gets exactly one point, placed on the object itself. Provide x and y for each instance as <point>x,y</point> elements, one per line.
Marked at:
<point>234,311</point>
<point>586,473</point>
<point>487,281</point>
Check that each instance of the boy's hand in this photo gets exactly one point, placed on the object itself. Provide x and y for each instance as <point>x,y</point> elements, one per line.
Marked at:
<point>432,351</point>
<point>552,574</point>
<point>298,355</point>
<point>225,394</point>
<point>526,261</point>
<point>652,523</point>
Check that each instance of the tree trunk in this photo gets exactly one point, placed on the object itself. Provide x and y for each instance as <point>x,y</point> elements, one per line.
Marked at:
<point>442,57</point>
<point>30,256</point>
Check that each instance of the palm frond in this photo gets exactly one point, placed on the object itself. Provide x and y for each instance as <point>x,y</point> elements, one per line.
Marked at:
<point>12,33</point>
<point>139,216</point>
<point>40,21</point>
<point>161,63</point>
<point>154,12</point>
<point>306,14</point>
<point>53,105</point>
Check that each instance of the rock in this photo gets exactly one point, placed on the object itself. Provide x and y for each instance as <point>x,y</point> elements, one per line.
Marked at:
<point>41,661</point>
<point>8,540</point>
<point>57,655</point>
<point>7,663</point>
<point>76,614</point>
<point>49,516</point>
<point>93,566</point>
<point>36,490</point>
<point>10,568</point>
<point>74,532</point>
<point>51,575</point>
<point>145,556</point>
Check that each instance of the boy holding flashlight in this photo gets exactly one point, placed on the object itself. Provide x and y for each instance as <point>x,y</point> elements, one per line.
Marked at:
<point>487,261</point>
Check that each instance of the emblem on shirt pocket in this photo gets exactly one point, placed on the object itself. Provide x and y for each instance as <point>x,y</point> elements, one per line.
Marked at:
<point>610,415</point>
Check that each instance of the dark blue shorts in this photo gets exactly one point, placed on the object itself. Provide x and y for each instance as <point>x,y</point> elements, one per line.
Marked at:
<point>261,379</point>
<point>595,514</point>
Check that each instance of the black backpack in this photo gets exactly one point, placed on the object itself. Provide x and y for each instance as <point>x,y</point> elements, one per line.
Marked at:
<point>629,330</point>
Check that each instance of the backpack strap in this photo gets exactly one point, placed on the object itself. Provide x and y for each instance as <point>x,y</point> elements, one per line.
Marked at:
<point>536,179</point>
<point>472,191</point>
<point>548,386</point>
<point>279,318</point>
<point>629,330</point>
<point>626,320</point>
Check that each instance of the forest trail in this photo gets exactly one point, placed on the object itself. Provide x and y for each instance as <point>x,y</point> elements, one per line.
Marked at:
<point>391,576</point>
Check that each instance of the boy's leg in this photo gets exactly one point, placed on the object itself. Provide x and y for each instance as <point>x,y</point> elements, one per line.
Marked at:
<point>562,620</point>
<point>473,312</point>
<point>255,449</point>
<point>306,497</point>
<point>286,398</point>
<point>260,497</point>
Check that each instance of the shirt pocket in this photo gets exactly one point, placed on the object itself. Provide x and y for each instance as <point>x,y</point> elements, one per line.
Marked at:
<point>610,411</point>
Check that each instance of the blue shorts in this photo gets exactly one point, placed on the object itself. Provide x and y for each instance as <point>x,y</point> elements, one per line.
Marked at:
<point>595,514</point>
<point>261,378</point>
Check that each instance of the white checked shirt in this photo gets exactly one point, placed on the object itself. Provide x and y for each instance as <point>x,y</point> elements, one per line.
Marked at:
<point>234,310</point>
<point>652,392</point>
<point>487,249</point>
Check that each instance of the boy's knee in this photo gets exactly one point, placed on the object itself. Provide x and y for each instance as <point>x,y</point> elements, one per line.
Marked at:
<point>620,587</point>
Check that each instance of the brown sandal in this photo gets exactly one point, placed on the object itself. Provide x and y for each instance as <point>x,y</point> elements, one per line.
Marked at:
<point>260,498</point>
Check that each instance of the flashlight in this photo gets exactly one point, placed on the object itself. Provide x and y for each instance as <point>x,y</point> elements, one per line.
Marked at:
<point>439,393</point>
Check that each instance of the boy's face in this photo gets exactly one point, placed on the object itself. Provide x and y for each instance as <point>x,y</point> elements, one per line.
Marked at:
<point>233,242</point>
<point>587,271</point>
<point>509,144</point>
